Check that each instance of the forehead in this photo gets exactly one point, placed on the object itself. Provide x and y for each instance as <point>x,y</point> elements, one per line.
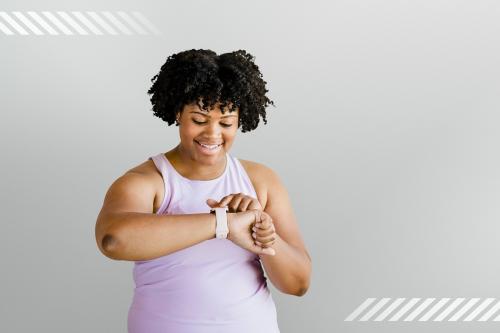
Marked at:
<point>195,108</point>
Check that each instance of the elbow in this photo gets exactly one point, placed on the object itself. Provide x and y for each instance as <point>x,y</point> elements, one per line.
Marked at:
<point>298,287</point>
<point>302,290</point>
<point>305,282</point>
<point>109,246</point>
<point>298,290</point>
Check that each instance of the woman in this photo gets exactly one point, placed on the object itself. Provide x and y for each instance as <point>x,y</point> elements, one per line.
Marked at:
<point>191,274</point>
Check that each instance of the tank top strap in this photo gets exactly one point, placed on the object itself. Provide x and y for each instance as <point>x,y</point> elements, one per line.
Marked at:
<point>163,167</point>
<point>241,174</point>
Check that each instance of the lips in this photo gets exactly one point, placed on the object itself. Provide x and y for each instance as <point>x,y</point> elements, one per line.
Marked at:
<point>209,144</point>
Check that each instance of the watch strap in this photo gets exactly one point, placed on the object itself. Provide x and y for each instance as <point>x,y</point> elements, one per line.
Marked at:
<point>222,228</point>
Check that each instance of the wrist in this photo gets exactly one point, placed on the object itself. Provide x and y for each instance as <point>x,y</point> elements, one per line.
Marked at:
<point>230,217</point>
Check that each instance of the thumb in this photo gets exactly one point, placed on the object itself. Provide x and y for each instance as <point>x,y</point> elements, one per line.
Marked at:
<point>212,203</point>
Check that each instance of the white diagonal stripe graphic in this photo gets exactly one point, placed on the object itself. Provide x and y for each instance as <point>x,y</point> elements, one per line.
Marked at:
<point>426,315</point>
<point>389,309</point>
<point>102,23</point>
<point>72,23</point>
<point>54,20</point>
<point>87,23</point>
<point>146,22</point>
<point>449,309</point>
<point>117,23</point>
<point>434,309</point>
<point>479,309</point>
<point>42,23</point>
<point>13,23</point>
<point>404,309</point>
<point>132,23</point>
<point>360,309</point>
<point>490,312</point>
<point>5,30</point>
<point>464,309</point>
<point>375,308</point>
<point>28,23</point>
<point>419,309</point>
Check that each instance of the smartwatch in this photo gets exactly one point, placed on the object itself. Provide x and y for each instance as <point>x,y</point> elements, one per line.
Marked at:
<point>222,228</point>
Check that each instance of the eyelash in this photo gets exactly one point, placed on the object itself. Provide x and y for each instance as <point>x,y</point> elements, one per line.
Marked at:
<point>202,122</point>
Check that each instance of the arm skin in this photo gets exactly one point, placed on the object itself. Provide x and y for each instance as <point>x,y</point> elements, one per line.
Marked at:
<point>127,229</point>
<point>290,269</point>
<point>143,236</point>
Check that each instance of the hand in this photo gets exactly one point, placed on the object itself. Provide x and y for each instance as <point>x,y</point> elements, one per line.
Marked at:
<point>237,202</point>
<point>264,232</point>
<point>240,230</point>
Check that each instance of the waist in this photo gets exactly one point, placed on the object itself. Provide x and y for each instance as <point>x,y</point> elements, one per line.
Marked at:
<point>207,305</point>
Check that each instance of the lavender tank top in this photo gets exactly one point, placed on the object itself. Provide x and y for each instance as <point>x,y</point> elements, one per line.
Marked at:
<point>212,286</point>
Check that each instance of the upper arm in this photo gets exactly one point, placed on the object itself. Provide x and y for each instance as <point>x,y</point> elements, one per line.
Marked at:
<point>132,192</point>
<point>279,207</point>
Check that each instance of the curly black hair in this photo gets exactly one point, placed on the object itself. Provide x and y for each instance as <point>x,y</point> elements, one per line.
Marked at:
<point>233,79</point>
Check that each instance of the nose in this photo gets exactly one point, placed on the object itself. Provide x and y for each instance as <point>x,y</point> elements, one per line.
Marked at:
<point>213,130</point>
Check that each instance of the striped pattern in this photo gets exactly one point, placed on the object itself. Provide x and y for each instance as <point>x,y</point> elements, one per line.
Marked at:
<point>75,23</point>
<point>427,309</point>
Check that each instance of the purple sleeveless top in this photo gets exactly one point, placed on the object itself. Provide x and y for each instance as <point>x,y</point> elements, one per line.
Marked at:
<point>212,286</point>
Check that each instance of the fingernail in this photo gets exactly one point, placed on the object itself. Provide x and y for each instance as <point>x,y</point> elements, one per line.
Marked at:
<point>254,235</point>
<point>254,229</point>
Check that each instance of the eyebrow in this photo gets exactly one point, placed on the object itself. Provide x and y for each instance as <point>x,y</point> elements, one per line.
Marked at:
<point>206,115</point>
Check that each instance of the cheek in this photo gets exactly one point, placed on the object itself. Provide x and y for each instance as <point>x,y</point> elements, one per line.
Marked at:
<point>230,136</point>
<point>189,132</point>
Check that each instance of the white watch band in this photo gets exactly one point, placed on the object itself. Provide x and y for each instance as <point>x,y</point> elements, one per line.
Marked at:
<point>221,229</point>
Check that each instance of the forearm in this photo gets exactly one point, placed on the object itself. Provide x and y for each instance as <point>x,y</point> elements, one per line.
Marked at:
<point>289,269</point>
<point>142,236</point>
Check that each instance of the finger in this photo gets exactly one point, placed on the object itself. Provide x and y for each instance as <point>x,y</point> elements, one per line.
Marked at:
<point>264,232</point>
<point>260,250</point>
<point>255,204</point>
<point>263,238</point>
<point>244,204</point>
<point>264,226</point>
<point>269,251</point>
<point>257,214</point>
<point>266,239</point>
<point>266,220</point>
<point>263,246</point>
<point>235,203</point>
<point>270,244</point>
<point>225,200</point>
<point>212,203</point>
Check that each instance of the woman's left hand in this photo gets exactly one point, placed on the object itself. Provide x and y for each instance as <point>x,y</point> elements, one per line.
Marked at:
<point>264,233</point>
<point>237,202</point>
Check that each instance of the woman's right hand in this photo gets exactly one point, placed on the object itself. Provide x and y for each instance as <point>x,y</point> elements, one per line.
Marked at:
<point>240,230</point>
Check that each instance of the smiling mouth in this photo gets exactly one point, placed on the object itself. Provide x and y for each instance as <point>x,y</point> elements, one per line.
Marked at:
<point>211,147</point>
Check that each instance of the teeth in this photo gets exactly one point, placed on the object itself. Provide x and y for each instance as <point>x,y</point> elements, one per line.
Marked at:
<point>209,146</point>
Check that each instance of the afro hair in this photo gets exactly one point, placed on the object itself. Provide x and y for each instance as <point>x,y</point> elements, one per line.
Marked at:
<point>231,79</point>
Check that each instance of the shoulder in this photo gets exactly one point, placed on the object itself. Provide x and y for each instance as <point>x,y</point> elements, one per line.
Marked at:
<point>153,176</point>
<point>262,177</point>
<point>258,170</point>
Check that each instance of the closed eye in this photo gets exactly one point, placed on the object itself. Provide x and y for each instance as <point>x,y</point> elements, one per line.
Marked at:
<point>204,122</point>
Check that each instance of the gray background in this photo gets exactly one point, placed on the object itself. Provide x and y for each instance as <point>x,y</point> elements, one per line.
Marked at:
<point>384,133</point>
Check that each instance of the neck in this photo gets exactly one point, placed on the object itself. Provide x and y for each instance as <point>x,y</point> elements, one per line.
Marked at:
<point>193,169</point>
